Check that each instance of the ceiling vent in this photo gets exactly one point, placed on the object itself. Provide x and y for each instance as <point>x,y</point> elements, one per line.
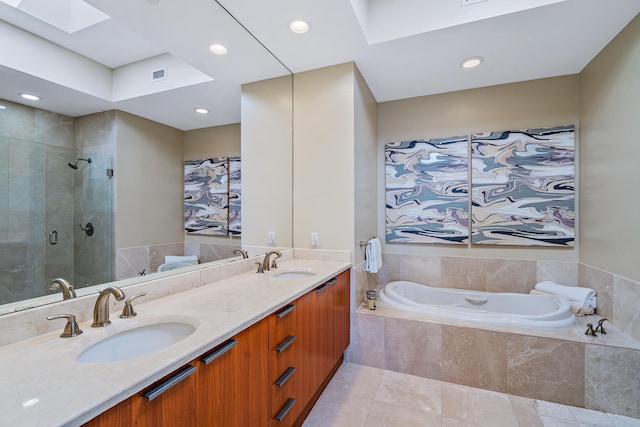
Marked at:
<point>160,74</point>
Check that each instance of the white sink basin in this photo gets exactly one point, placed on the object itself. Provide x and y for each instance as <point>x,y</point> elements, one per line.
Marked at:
<point>293,274</point>
<point>136,342</point>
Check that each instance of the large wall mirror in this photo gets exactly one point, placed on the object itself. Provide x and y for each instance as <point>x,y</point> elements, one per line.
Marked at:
<point>92,173</point>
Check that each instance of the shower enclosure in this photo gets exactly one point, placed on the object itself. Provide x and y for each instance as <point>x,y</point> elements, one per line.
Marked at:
<point>56,220</point>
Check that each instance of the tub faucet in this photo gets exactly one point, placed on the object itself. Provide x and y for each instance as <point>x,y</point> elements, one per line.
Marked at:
<point>265,264</point>
<point>600,328</point>
<point>101,309</point>
<point>68,292</point>
<point>242,252</point>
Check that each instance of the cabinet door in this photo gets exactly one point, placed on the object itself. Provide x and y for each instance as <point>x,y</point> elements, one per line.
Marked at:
<point>342,325</point>
<point>118,416</point>
<point>232,384</point>
<point>170,402</point>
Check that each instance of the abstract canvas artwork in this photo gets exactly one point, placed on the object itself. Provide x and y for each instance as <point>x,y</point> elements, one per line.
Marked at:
<point>206,196</point>
<point>523,187</point>
<point>427,191</point>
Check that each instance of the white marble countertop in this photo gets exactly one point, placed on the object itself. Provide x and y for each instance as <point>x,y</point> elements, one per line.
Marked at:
<point>44,385</point>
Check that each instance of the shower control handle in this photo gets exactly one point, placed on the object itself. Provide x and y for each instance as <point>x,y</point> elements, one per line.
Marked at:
<point>87,229</point>
<point>53,237</point>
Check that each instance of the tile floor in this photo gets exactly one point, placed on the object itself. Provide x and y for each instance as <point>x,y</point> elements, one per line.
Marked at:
<point>364,396</point>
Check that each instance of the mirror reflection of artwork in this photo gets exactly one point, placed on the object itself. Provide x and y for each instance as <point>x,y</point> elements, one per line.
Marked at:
<point>206,196</point>
<point>523,187</point>
<point>427,191</point>
<point>235,196</point>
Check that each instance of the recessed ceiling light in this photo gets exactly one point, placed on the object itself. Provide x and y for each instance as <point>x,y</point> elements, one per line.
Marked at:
<point>218,49</point>
<point>472,62</point>
<point>30,97</point>
<point>299,27</point>
<point>2,107</point>
<point>201,110</point>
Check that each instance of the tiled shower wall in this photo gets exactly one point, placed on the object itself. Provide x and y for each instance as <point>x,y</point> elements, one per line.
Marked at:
<point>38,194</point>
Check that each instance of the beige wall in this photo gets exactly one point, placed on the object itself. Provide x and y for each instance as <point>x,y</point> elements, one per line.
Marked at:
<point>149,175</point>
<point>538,103</point>
<point>218,141</point>
<point>266,135</point>
<point>323,157</point>
<point>609,153</point>
<point>365,177</point>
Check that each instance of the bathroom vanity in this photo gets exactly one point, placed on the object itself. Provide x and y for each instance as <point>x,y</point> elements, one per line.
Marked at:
<point>263,348</point>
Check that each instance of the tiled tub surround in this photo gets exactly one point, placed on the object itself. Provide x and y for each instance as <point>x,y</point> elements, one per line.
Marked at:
<point>557,365</point>
<point>601,372</point>
<point>131,261</point>
<point>617,296</point>
<point>228,299</point>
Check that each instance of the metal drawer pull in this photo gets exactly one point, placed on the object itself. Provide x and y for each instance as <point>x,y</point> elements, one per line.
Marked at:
<point>157,391</point>
<point>288,309</point>
<point>332,281</point>
<point>285,377</point>
<point>321,288</point>
<point>286,343</point>
<point>219,351</point>
<point>285,410</point>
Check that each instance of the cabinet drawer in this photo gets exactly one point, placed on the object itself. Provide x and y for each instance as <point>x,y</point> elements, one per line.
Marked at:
<point>283,355</point>
<point>285,387</point>
<point>283,323</point>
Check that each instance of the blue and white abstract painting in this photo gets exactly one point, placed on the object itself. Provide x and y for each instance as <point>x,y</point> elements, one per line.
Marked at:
<point>206,196</point>
<point>427,191</point>
<point>523,187</point>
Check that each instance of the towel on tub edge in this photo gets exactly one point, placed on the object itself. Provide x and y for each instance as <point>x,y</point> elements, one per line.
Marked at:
<point>576,308</point>
<point>586,297</point>
<point>192,259</point>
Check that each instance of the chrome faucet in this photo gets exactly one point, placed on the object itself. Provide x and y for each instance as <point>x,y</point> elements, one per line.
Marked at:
<point>101,309</point>
<point>266,266</point>
<point>67,289</point>
<point>241,251</point>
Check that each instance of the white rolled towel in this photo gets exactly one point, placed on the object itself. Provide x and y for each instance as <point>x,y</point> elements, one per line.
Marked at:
<point>187,259</point>
<point>575,307</point>
<point>585,297</point>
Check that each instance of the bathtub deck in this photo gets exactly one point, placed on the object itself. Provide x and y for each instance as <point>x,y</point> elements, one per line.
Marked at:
<point>365,396</point>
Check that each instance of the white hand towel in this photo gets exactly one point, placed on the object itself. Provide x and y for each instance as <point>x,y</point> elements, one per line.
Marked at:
<point>193,259</point>
<point>585,297</point>
<point>373,255</point>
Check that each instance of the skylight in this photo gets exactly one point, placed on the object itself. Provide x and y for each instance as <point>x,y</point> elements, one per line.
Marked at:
<point>67,15</point>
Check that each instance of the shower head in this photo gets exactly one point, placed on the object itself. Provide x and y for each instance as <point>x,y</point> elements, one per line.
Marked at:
<point>74,164</point>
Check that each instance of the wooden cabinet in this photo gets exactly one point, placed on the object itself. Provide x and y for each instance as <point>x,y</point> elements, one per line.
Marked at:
<point>268,375</point>
<point>169,402</point>
<point>232,381</point>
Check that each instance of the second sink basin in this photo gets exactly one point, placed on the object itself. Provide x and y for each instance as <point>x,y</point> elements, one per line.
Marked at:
<point>136,342</point>
<point>293,274</point>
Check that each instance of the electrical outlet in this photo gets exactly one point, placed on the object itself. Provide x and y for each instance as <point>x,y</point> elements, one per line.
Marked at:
<point>314,239</point>
<point>271,237</point>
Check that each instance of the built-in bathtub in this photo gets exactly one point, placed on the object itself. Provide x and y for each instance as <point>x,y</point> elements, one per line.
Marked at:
<point>535,311</point>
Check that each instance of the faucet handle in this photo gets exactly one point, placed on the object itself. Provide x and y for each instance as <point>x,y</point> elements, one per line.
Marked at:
<point>71,329</point>
<point>127,310</point>
<point>260,268</point>
<point>600,328</point>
